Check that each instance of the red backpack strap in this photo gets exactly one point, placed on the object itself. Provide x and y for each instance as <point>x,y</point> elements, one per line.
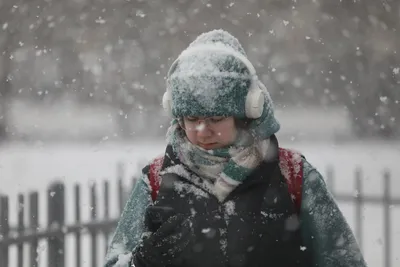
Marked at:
<point>154,176</point>
<point>291,165</point>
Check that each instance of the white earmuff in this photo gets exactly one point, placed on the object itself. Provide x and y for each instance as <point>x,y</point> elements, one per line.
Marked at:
<point>167,97</point>
<point>254,104</point>
<point>167,102</point>
<point>254,101</point>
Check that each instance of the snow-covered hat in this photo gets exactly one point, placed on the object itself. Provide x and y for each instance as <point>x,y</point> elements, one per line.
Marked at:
<point>213,77</point>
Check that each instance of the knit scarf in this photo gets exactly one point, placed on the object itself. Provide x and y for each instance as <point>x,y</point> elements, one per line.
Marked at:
<point>225,168</point>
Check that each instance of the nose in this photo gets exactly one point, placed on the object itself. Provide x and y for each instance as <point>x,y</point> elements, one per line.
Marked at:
<point>203,130</point>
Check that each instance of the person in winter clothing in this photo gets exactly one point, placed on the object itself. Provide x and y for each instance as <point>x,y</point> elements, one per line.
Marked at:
<point>222,194</point>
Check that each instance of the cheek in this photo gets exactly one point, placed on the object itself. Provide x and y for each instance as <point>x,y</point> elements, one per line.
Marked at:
<point>226,135</point>
<point>191,135</point>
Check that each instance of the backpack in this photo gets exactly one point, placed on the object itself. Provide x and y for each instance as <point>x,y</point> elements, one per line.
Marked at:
<point>290,163</point>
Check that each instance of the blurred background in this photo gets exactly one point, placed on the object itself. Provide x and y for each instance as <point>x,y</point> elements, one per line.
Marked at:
<point>81,83</point>
<point>107,60</point>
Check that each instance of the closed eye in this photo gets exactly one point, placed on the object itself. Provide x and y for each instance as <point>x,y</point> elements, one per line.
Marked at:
<point>217,119</point>
<point>192,119</point>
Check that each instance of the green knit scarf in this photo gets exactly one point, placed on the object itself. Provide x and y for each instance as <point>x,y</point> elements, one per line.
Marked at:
<point>224,167</point>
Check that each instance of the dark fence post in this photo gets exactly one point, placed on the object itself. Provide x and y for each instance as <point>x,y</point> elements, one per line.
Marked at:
<point>120,177</point>
<point>93,232</point>
<point>120,196</point>
<point>386,217</point>
<point>34,224</point>
<point>106,212</point>
<point>20,229</point>
<point>77,220</point>
<point>56,206</point>
<point>359,199</point>
<point>4,230</point>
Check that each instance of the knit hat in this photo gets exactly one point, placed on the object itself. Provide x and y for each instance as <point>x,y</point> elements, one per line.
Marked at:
<point>211,78</point>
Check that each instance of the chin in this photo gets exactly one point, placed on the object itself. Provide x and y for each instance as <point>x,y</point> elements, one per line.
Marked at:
<point>209,146</point>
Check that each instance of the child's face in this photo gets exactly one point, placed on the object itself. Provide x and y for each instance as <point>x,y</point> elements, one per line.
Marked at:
<point>211,132</point>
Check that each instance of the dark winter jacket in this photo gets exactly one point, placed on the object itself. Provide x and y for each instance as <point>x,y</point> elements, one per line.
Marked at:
<point>257,225</point>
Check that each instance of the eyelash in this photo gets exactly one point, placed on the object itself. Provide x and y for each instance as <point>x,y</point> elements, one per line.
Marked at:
<point>217,120</point>
<point>191,119</point>
<point>212,119</point>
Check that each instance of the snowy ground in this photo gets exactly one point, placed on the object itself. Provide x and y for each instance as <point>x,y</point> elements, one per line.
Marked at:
<point>24,168</point>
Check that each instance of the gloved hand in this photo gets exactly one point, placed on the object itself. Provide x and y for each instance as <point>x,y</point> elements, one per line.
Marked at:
<point>165,246</point>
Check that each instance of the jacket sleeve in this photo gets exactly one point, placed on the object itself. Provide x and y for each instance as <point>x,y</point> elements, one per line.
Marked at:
<point>130,227</point>
<point>324,228</point>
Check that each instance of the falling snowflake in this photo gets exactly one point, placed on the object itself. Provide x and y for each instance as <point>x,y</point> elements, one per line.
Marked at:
<point>100,20</point>
<point>206,230</point>
<point>140,13</point>
<point>383,99</point>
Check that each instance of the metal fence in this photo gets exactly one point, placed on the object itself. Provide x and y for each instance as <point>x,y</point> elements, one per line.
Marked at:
<point>56,231</point>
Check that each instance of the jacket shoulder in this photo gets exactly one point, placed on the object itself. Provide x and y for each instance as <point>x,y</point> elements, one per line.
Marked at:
<point>154,164</point>
<point>151,173</point>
